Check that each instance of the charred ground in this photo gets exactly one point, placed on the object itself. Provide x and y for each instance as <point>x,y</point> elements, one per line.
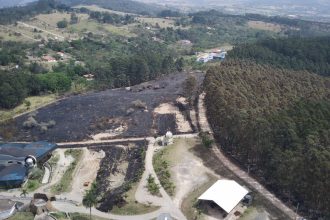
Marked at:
<point>78,117</point>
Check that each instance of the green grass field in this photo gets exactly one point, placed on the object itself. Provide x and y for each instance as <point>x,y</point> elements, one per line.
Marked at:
<point>35,101</point>
<point>95,27</point>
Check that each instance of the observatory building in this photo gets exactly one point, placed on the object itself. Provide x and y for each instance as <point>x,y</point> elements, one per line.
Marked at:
<point>16,159</point>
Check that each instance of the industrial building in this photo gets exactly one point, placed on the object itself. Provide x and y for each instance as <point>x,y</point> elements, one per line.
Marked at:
<point>16,159</point>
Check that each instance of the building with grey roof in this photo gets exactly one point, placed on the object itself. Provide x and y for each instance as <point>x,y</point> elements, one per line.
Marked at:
<point>16,159</point>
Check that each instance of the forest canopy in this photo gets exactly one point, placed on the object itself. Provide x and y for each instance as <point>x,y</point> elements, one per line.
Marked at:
<point>276,123</point>
<point>312,54</point>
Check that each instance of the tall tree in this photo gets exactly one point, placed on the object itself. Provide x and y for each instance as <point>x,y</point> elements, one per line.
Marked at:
<point>90,199</point>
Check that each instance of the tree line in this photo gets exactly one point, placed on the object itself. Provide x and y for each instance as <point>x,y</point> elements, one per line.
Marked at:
<point>275,123</point>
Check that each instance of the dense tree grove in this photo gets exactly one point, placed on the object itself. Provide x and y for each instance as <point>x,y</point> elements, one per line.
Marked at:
<point>111,18</point>
<point>312,54</point>
<point>275,122</point>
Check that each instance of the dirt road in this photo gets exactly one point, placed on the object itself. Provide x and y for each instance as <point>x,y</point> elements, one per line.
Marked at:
<point>236,170</point>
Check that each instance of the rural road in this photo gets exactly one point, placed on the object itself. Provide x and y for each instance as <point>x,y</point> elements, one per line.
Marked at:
<point>205,126</point>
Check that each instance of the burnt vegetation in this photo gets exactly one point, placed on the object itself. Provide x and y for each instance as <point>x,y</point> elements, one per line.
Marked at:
<point>114,156</point>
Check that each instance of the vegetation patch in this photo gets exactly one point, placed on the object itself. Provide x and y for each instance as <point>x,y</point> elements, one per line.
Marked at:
<point>152,186</point>
<point>65,183</point>
<point>162,169</point>
<point>22,216</point>
<point>34,180</point>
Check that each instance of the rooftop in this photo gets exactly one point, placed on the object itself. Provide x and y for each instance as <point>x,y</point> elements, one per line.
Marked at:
<point>12,160</point>
<point>225,193</point>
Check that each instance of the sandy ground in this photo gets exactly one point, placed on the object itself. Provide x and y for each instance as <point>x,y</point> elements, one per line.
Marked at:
<point>109,133</point>
<point>188,171</point>
<point>168,108</point>
<point>86,172</point>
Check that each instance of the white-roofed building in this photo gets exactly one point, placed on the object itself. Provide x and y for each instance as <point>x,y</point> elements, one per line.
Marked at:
<point>225,193</point>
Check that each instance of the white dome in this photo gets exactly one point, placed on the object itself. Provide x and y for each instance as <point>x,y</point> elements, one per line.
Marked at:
<point>30,162</point>
<point>169,134</point>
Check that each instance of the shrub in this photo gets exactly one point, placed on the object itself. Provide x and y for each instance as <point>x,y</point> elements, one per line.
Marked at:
<point>153,187</point>
<point>139,104</point>
<point>30,123</point>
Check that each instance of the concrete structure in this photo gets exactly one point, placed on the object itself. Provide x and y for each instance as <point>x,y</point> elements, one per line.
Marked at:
<point>7,208</point>
<point>168,139</point>
<point>16,159</point>
<point>225,193</point>
<point>206,57</point>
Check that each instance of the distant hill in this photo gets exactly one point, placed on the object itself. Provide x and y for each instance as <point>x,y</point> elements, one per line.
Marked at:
<point>119,5</point>
<point>317,10</point>
<point>11,3</point>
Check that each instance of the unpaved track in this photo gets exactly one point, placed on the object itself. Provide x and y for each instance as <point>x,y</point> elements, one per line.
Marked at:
<point>236,170</point>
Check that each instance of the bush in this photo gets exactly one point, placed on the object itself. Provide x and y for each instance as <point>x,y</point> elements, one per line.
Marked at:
<point>153,187</point>
<point>62,24</point>
<point>139,104</point>
<point>30,123</point>
<point>206,139</point>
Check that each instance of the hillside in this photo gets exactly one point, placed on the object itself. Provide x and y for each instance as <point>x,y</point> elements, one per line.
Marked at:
<point>275,122</point>
<point>312,54</point>
<point>10,3</point>
<point>122,5</point>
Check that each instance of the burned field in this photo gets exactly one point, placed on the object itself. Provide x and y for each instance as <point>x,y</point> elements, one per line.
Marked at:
<point>121,167</point>
<point>120,113</point>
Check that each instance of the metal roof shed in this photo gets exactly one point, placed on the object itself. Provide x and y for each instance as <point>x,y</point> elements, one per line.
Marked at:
<point>225,193</point>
